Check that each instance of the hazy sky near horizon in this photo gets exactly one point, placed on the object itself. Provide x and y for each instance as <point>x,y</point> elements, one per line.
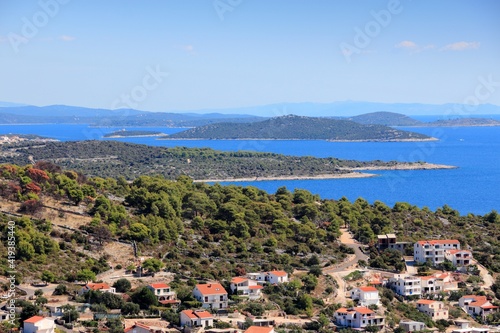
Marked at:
<point>191,54</point>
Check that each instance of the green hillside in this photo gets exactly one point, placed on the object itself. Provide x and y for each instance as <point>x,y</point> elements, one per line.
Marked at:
<point>385,118</point>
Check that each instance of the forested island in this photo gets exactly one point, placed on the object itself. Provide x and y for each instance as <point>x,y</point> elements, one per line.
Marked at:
<point>300,128</point>
<point>111,158</point>
<point>130,134</point>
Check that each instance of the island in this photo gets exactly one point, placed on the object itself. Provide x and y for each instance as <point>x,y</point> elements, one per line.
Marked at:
<point>292,127</point>
<point>132,134</point>
<point>398,119</point>
<point>108,158</point>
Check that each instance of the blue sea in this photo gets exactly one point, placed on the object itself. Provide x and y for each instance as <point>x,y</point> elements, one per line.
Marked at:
<point>474,187</point>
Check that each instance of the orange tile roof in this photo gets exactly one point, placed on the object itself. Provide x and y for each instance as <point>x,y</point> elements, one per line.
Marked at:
<point>278,273</point>
<point>159,285</point>
<point>259,329</point>
<point>367,289</point>
<point>97,286</point>
<point>238,279</point>
<point>427,277</point>
<point>425,301</point>
<point>255,287</point>
<point>456,251</point>
<point>197,314</point>
<point>34,319</point>
<point>211,289</point>
<point>489,307</point>
<point>439,241</point>
<point>137,325</point>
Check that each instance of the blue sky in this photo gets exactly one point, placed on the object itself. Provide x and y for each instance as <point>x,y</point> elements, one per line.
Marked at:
<point>199,54</point>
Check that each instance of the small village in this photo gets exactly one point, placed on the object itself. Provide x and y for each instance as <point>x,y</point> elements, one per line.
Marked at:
<point>361,301</point>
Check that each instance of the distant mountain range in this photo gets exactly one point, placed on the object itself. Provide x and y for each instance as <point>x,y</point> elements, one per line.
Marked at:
<point>393,114</point>
<point>293,127</point>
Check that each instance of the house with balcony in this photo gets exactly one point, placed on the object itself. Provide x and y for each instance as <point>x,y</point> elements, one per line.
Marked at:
<point>405,285</point>
<point>433,250</point>
<point>434,309</point>
<point>164,293</point>
<point>365,295</point>
<point>358,317</point>
<point>38,324</point>
<point>211,295</point>
<point>459,258</point>
<point>196,318</point>
<point>102,287</point>
<point>477,306</point>
<point>246,288</point>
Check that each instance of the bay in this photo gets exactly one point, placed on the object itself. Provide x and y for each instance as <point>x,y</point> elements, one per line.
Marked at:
<point>474,187</point>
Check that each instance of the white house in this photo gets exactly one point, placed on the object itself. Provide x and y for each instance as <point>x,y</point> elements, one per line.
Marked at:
<point>272,277</point>
<point>405,285</point>
<point>433,250</point>
<point>259,329</point>
<point>38,324</point>
<point>434,309</point>
<point>477,305</point>
<point>459,258</point>
<point>197,318</point>
<point>211,295</point>
<point>366,295</point>
<point>162,291</point>
<point>358,317</point>
<point>246,288</point>
<point>103,287</point>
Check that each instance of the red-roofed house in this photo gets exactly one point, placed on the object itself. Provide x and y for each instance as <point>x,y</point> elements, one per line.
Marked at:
<point>259,329</point>
<point>358,317</point>
<point>163,291</point>
<point>433,250</point>
<point>211,295</point>
<point>434,309</point>
<point>197,318</point>
<point>103,287</point>
<point>246,288</point>
<point>366,295</point>
<point>38,324</point>
<point>142,328</point>
<point>459,258</point>
<point>477,305</point>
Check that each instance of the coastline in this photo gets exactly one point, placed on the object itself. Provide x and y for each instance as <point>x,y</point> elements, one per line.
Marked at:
<point>354,173</point>
<point>321,176</point>
<point>269,139</point>
<point>131,136</point>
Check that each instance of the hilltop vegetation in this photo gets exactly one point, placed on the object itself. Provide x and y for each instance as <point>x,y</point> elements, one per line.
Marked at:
<point>111,158</point>
<point>386,118</point>
<point>301,128</point>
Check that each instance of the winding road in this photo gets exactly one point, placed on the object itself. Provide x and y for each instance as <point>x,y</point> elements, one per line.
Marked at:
<point>346,239</point>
